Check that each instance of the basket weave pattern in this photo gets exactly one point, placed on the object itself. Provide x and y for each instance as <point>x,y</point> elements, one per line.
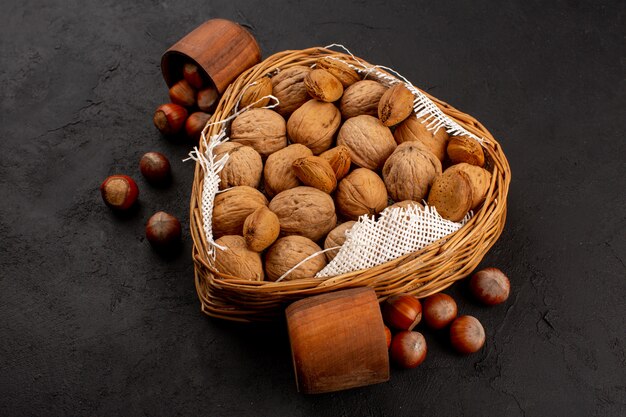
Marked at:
<point>422,273</point>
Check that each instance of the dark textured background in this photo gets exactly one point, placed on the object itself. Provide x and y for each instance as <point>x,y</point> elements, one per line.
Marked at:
<point>93,323</point>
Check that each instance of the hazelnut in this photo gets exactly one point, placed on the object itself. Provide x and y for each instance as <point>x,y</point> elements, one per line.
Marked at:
<point>119,192</point>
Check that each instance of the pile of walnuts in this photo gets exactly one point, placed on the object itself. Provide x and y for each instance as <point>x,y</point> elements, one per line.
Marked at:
<point>335,148</point>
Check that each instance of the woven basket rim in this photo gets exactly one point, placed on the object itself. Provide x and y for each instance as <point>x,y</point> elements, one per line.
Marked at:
<point>421,273</point>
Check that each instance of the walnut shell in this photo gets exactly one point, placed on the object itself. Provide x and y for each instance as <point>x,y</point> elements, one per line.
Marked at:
<point>261,229</point>
<point>316,172</point>
<point>262,129</point>
<point>288,87</point>
<point>451,194</point>
<point>360,98</point>
<point>395,105</point>
<point>480,180</point>
<point>361,192</point>
<point>314,125</point>
<point>254,93</point>
<point>231,208</point>
<point>464,149</point>
<point>339,160</point>
<point>342,71</point>
<point>237,260</point>
<point>405,204</point>
<point>224,148</point>
<point>323,86</point>
<point>287,252</point>
<point>278,172</point>
<point>244,165</point>
<point>369,141</point>
<point>304,211</point>
<point>414,129</point>
<point>335,238</point>
<point>410,171</point>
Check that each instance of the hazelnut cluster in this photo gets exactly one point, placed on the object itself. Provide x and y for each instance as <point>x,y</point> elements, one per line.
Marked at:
<point>193,97</point>
<point>403,312</point>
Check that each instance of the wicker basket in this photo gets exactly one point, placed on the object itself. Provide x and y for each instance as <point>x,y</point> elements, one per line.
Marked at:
<point>422,273</point>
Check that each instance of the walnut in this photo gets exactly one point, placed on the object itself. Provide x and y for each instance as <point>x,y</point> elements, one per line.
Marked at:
<point>231,208</point>
<point>261,229</point>
<point>323,86</point>
<point>414,129</point>
<point>237,260</point>
<point>451,194</point>
<point>304,211</point>
<point>369,141</point>
<point>278,172</point>
<point>360,98</point>
<point>342,71</point>
<point>262,129</point>
<point>410,171</point>
<point>244,165</point>
<point>405,204</point>
<point>287,252</point>
<point>395,105</point>
<point>335,238</point>
<point>254,93</point>
<point>314,125</point>
<point>464,149</point>
<point>361,192</point>
<point>480,179</point>
<point>288,87</point>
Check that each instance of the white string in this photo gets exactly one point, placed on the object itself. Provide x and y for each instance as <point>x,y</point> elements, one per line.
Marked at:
<point>238,112</point>
<point>397,232</point>
<point>211,169</point>
<point>422,105</point>
<point>296,266</point>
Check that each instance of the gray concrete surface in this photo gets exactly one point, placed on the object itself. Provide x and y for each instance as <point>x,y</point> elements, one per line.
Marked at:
<point>94,323</point>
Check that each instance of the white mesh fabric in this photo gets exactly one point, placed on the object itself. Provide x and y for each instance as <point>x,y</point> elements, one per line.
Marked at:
<point>395,233</point>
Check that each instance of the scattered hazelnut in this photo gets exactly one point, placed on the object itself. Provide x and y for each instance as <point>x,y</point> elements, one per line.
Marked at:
<point>162,230</point>
<point>195,123</point>
<point>467,335</point>
<point>408,349</point>
<point>155,167</point>
<point>119,192</point>
<point>169,118</point>
<point>402,312</point>
<point>439,310</point>
<point>490,286</point>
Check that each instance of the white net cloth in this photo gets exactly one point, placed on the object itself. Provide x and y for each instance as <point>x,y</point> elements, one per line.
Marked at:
<point>369,242</point>
<point>395,233</point>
